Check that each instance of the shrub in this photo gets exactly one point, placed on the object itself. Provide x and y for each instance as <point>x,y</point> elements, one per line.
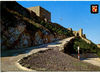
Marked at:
<point>85,47</point>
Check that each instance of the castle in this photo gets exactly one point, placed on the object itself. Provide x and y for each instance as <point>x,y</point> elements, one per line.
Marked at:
<point>46,15</point>
<point>41,12</point>
<point>78,33</point>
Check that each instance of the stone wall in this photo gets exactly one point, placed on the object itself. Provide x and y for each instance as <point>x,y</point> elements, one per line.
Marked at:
<point>35,9</point>
<point>98,45</point>
<point>41,12</point>
<point>45,14</point>
<point>86,40</point>
<point>79,33</point>
<point>21,28</point>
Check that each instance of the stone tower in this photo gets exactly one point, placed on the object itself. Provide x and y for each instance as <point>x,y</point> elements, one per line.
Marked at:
<point>80,32</point>
<point>41,12</point>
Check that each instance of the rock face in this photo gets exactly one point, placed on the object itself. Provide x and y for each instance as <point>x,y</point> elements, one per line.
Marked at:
<point>21,28</point>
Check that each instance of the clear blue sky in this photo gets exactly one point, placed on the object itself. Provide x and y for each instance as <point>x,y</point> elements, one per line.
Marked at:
<point>72,14</point>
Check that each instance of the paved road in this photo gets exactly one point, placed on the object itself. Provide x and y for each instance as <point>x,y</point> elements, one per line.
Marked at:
<point>94,61</point>
<point>10,63</point>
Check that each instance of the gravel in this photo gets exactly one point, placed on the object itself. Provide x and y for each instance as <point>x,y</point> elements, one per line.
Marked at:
<point>53,60</point>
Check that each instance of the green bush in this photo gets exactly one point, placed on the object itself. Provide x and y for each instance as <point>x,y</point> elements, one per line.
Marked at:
<point>85,47</point>
<point>53,27</point>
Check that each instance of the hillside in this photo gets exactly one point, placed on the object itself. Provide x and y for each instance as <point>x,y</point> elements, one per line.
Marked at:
<point>22,28</point>
<point>29,41</point>
<point>85,47</point>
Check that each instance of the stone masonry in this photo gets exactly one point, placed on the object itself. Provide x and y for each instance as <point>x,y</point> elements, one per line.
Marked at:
<point>41,12</point>
<point>79,33</point>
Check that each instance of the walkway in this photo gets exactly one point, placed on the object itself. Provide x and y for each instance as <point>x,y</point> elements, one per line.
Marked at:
<point>94,61</point>
<point>10,63</point>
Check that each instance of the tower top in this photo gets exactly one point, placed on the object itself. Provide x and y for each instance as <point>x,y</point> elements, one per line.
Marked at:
<point>41,12</point>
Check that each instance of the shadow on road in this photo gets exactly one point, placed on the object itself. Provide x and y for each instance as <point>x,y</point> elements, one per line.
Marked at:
<point>15,52</point>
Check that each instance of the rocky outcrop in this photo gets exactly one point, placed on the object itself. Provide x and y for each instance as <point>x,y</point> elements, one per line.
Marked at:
<point>21,28</point>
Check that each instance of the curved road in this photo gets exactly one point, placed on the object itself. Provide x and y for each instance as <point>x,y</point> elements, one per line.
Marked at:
<point>10,63</point>
<point>94,61</point>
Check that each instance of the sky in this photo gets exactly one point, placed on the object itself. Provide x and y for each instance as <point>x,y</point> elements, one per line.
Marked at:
<point>72,14</point>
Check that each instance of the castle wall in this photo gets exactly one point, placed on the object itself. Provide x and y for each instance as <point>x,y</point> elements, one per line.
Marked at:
<point>41,12</point>
<point>80,32</point>
<point>45,14</point>
<point>36,10</point>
